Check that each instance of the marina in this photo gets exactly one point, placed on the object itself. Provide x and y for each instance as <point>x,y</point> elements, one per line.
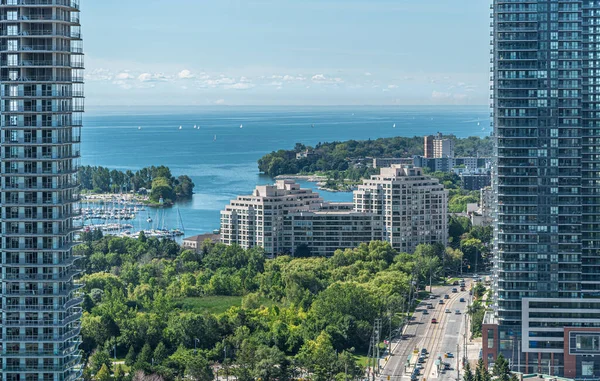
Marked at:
<point>127,217</point>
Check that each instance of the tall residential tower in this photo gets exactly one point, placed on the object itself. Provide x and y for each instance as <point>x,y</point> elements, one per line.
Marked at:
<point>41,101</point>
<point>546,110</point>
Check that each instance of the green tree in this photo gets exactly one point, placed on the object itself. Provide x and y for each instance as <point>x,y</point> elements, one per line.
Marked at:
<point>103,374</point>
<point>197,369</point>
<point>145,356</point>
<point>481,372</point>
<point>318,357</point>
<point>501,369</point>
<point>130,358</point>
<point>468,373</point>
<point>98,358</point>
<point>119,373</point>
<point>160,353</point>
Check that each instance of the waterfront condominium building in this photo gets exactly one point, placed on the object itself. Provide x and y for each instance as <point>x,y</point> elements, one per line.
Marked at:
<point>257,219</point>
<point>41,101</point>
<point>546,110</point>
<point>413,208</point>
<point>400,205</point>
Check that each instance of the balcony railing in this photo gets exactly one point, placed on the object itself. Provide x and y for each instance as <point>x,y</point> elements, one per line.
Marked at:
<point>43,322</point>
<point>65,3</point>
<point>30,141</point>
<point>42,277</point>
<point>44,307</point>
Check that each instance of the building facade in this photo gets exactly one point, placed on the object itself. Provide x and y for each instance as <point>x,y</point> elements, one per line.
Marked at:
<point>413,207</point>
<point>257,219</point>
<point>400,205</point>
<point>41,100</point>
<point>546,109</point>
<point>428,146</point>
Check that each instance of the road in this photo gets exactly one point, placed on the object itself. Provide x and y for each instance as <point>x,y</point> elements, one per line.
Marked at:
<point>436,338</point>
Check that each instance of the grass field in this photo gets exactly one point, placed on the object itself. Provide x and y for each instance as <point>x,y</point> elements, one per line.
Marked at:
<point>214,304</point>
<point>210,304</point>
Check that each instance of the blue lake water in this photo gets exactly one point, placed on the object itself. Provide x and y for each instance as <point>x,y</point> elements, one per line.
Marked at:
<point>221,157</point>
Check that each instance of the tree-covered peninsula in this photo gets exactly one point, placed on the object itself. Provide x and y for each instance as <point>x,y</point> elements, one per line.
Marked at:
<point>157,181</point>
<point>341,157</point>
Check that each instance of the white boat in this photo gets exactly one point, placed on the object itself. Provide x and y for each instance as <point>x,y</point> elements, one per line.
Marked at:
<point>180,127</point>
<point>241,126</point>
<point>140,127</point>
<point>394,125</point>
<point>215,138</point>
<point>194,126</point>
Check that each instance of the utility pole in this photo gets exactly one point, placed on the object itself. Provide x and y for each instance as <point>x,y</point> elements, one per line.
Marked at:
<point>519,358</point>
<point>457,362</point>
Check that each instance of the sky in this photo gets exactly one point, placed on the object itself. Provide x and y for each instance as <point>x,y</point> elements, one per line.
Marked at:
<point>286,52</point>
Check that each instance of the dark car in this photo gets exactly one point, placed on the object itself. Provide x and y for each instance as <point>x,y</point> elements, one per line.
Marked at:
<point>462,300</point>
<point>446,296</point>
<point>455,283</point>
<point>423,352</point>
<point>454,290</point>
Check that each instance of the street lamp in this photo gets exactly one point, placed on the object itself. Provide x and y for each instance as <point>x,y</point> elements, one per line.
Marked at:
<point>196,340</point>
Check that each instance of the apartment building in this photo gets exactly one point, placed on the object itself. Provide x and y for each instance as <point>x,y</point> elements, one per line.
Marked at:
<point>546,114</point>
<point>41,101</point>
<point>257,219</point>
<point>413,207</point>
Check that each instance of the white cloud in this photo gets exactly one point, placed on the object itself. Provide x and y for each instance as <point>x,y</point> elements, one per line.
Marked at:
<point>99,75</point>
<point>440,95</point>
<point>124,76</point>
<point>220,101</point>
<point>392,86</point>
<point>185,74</point>
<point>368,74</point>
<point>322,78</point>
<point>122,84</point>
<point>239,86</point>
<point>152,77</point>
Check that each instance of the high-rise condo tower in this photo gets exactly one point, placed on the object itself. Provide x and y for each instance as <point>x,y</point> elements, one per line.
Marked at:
<point>41,100</point>
<point>546,115</point>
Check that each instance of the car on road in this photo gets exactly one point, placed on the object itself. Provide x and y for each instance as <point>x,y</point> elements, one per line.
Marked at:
<point>454,290</point>
<point>449,355</point>
<point>432,296</point>
<point>430,306</point>
<point>446,296</point>
<point>433,321</point>
<point>424,351</point>
<point>448,310</point>
<point>455,283</point>
<point>441,301</point>
<point>421,359</point>
<point>425,312</point>
<point>462,300</point>
<point>457,312</point>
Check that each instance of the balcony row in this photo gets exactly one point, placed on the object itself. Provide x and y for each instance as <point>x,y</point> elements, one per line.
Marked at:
<point>48,94</point>
<point>72,350</point>
<point>44,307</point>
<point>73,4</point>
<point>41,141</point>
<point>20,172</point>
<point>43,79</point>
<point>41,109</point>
<point>58,277</point>
<point>35,202</point>
<point>42,322</point>
<point>38,233</point>
<point>8,157</point>
<point>41,63</point>
<point>41,218</point>
<point>43,338</point>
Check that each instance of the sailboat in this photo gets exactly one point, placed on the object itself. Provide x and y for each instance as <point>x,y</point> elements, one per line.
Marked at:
<point>194,126</point>
<point>180,127</point>
<point>241,126</point>
<point>215,138</point>
<point>312,126</point>
<point>140,127</point>
<point>394,125</point>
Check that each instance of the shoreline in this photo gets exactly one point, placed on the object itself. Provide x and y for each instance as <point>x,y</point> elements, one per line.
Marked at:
<point>319,179</point>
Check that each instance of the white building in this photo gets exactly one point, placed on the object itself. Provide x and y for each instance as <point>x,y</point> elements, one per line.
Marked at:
<point>400,205</point>
<point>413,207</point>
<point>257,219</point>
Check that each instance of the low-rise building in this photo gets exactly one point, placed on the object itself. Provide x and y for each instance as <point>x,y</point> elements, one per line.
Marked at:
<point>195,242</point>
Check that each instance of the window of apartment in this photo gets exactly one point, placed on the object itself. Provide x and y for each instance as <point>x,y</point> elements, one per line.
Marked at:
<point>490,338</point>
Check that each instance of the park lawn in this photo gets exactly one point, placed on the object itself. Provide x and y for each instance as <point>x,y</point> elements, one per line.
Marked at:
<point>215,304</point>
<point>210,304</point>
